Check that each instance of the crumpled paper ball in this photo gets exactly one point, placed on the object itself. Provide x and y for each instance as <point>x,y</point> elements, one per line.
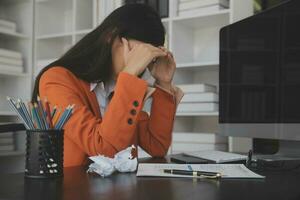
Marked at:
<point>123,161</point>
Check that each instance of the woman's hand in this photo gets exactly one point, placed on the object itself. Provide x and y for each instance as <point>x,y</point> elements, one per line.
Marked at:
<point>139,57</point>
<point>163,70</point>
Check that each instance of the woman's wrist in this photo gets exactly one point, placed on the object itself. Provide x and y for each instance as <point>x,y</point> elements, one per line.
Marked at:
<point>130,71</point>
<point>165,85</point>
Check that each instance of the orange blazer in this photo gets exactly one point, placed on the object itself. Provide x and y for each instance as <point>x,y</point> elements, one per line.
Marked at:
<point>88,134</point>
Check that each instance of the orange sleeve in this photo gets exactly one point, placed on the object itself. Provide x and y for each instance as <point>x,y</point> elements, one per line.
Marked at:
<point>155,132</point>
<point>93,135</point>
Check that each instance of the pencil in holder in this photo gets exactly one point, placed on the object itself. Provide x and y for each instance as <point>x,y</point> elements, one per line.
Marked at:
<point>44,153</point>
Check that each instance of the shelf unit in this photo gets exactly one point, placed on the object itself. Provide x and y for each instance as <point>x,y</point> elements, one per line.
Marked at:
<point>59,25</point>
<point>194,41</point>
<point>48,28</point>
<point>18,84</point>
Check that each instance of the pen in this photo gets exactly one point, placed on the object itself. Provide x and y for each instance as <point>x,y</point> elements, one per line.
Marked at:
<point>249,159</point>
<point>200,174</point>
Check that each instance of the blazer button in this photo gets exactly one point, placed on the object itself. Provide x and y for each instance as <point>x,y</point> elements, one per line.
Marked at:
<point>136,103</point>
<point>133,112</point>
<point>130,121</point>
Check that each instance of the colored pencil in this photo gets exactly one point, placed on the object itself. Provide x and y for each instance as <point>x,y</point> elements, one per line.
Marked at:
<point>41,112</point>
<point>25,111</point>
<point>37,116</point>
<point>56,117</point>
<point>69,113</point>
<point>14,107</point>
<point>20,110</point>
<point>48,114</point>
<point>53,112</point>
<point>62,117</point>
<point>30,107</point>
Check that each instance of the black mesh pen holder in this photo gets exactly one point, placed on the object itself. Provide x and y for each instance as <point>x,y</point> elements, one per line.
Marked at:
<point>44,153</point>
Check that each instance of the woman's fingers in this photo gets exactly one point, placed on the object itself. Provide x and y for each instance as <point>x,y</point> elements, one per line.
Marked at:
<point>140,56</point>
<point>126,47</point>
<point>158,53</point>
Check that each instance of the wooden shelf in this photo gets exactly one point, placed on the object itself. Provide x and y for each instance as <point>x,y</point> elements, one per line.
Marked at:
<point>200,65</point>
<point>11,153</point>
<point>211,19</point>
<point>164,20</point>
<point>41,1</point>
<point>7,113</point>
<point>85,31</point>
<point>55,35</point>
<point>16,74</point>
<point>11,127</point>
<point>197,114</point>
<point>13,35</point>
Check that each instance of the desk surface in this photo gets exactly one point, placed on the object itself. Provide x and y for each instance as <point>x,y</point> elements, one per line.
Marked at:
<point>78,185</point>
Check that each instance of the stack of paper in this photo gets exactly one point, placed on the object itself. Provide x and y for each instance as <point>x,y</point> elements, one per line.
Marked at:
<point>198,98</point>
<point>7,142</point>
<point>196,7</point>
<point>191,142</point>
<point>11,61</point>
<point>7,26</point>
<point>227,171</point>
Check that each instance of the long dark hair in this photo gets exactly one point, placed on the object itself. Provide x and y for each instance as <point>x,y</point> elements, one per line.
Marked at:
<point>90,59</point>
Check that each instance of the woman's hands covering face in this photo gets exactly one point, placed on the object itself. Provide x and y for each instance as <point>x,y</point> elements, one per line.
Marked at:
<point>163,68</point>
<point>139,56</point>
<point>159,61</point>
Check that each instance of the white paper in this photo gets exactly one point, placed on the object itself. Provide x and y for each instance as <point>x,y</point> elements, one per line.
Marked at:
<point>226,170</point>
<point>123,161</point>
<point>102,165</point>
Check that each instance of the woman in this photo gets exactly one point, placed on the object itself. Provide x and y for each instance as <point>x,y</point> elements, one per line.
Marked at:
<point>101,76</point>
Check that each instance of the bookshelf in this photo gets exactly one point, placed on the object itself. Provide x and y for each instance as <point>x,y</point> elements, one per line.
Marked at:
<point>195,44</point>
<point>16,84</point>
<point>59,24</point>
<point>48,28</point>
<point>194,41</point>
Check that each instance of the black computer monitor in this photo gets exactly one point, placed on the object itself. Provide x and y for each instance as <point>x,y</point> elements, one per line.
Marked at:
<point>260,75</point>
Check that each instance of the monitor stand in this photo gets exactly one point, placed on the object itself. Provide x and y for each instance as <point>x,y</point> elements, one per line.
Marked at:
<point>288,155</point>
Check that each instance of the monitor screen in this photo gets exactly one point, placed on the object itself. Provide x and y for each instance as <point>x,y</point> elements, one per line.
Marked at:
<point>260,67</point>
